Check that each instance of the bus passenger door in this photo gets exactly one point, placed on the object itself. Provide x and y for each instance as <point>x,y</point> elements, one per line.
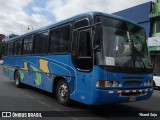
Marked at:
<point>84,65</point>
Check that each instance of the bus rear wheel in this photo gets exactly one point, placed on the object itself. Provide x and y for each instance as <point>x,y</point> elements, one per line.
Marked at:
<point>62,92</point>
<point>17,79</point>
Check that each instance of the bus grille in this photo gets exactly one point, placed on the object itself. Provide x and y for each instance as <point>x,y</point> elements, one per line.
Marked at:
<point>133,94</point>
<point>132,83</point>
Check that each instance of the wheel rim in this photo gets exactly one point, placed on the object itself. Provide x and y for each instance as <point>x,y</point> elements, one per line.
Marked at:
<point>63,91</point>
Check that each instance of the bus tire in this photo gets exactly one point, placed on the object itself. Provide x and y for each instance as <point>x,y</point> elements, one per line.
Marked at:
<point>17,79</point>
<point>62,92</point>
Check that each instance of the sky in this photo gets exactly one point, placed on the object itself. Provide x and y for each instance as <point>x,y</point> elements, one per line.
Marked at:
<point>17,15</point>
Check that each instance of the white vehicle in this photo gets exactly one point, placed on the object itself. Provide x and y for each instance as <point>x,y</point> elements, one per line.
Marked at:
<point>156,80</point>
<point>1,62</point>
<point>155,60</point>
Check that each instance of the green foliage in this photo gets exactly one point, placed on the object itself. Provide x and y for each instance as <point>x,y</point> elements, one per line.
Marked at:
<point>2,44</point>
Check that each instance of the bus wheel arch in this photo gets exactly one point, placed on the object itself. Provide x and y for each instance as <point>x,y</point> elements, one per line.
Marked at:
<point>61,90</point>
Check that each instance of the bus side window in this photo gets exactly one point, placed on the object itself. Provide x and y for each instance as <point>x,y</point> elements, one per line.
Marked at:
<point>51,44</point>
<point>17,47</point>
<point>60,40</point>
<point>78,24</point>
<point>81,23</point>
<point>84,57</point>
<point>27,46</point>
<point>41,43</point>
<point>57,41</point>
<point>74,46</point>
<point>65,37</point>
<point>84,44</point>
<point>10,48</point>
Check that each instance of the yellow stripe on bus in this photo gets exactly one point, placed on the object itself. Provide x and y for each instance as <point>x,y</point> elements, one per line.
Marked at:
<point>25,67</point>
<point>44,65</point>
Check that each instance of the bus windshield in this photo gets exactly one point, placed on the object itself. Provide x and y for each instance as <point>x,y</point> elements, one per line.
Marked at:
<point>123,48</point>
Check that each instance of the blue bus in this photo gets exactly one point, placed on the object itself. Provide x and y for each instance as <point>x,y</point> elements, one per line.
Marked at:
<point>93,58</point>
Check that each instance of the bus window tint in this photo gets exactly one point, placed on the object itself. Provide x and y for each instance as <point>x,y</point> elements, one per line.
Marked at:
<point>59,40</point>
<point>10,48</point>
<point>81,23</point>
<point>27,46</point>
<point>17,47</point>
<point>5,48</point>
<point>114,23</point>
<point>84,44</point>
<point>41,43</point>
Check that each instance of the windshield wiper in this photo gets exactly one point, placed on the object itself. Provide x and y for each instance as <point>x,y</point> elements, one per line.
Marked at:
<point>140,59</point>
<point>133,59</point>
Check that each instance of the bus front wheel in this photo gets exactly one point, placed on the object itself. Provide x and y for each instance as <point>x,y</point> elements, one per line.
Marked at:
<point>62,92</point>
<point>17,79</point>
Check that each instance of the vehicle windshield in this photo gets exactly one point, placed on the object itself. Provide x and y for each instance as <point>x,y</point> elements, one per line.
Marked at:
<point>123,48</point>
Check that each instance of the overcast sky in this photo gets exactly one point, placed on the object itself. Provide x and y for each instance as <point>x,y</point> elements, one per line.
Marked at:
<point>17,15</point>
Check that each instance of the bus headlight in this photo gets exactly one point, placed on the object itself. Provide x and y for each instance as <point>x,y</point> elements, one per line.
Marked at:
<point>100,83</point>
<point>108,83</point>
<point>148,83</point>
<point>115,83</point>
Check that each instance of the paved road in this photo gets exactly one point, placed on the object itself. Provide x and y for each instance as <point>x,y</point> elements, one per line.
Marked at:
<point>31,99</point>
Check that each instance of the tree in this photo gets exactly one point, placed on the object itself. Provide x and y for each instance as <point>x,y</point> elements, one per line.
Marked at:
<point>2,44</point>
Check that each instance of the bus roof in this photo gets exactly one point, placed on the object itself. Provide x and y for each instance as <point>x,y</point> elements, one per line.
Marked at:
<point>73,18</point>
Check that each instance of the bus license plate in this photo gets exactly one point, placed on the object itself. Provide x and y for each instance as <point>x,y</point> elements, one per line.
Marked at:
<point>132,99</point>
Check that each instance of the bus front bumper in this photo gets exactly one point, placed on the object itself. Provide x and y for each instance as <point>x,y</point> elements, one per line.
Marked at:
<point>120,96</point>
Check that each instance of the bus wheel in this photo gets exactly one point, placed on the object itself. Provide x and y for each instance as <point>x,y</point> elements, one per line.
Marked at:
<point>62,92</point>
<point>17,79</point>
